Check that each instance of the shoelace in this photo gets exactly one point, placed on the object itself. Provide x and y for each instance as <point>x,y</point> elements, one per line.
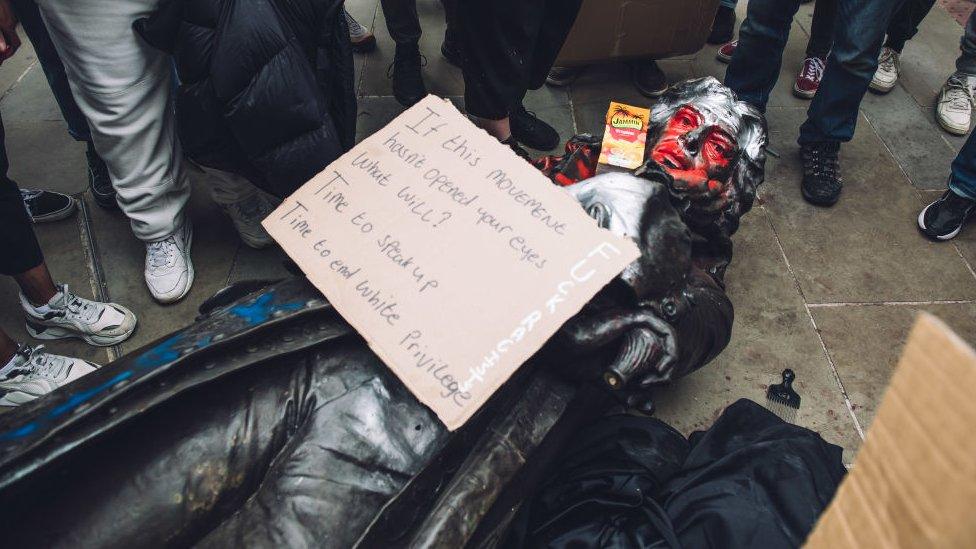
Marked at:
<point>28,194</point>
<point>407,60</point>
<point>958,94</point>
<point>819,164</point>
<point>889,60</point>
<point>83,308</point>
<point>39,365</point>
<point>813,68</point>
<point>162,252</point>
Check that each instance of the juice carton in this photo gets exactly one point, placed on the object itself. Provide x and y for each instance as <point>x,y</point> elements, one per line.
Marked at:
<point>625,136</point>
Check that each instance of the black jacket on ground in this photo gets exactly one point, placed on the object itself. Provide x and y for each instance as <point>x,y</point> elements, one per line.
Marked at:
<point>266,86</point>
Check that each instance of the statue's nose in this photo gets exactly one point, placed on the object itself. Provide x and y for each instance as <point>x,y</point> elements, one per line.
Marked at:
<point>693,139</point>
<point>599,211</point>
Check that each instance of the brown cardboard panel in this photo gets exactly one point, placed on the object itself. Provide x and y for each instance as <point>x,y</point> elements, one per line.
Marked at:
<point>621,29</point>
<point>454,258</point>
<point>913,483</point>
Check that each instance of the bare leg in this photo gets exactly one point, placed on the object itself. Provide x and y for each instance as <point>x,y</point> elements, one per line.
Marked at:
<point>499,129</point>
<point>8,348</point>
<point>37,285</point>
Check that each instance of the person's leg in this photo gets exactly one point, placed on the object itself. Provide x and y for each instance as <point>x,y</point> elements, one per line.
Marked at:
<point>124,89</point>
<point>755,65</point>
<point>723,26</point>
<point>850,67</point>
<point>822,28</point>
<point>37,285</point>
<point>905,21</point>
<point>966,62</point>
<point>404,25</point>
<point>945,217</point>
<point>8,348</point>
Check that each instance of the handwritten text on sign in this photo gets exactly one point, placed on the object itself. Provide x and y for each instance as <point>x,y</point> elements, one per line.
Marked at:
<point>455,259</point>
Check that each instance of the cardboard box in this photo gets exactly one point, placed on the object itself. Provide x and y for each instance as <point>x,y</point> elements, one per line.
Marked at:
<point>622,29</point>
<point>913,483</point>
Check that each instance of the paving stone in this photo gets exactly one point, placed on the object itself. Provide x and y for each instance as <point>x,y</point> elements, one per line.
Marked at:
<point>122,256</point>
<point>771,332</point>
<point>43,156</point>
<point>31,99</point>
<point>13,68</point>
<point>912,136</point>
<point>865,343</point>
<point>930,57</point>
<point>251,264</point>
<point>856,251</point>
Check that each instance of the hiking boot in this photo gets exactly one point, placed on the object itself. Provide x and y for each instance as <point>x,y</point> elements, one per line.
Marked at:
<point>247,215</point>
<point>809,78</point>
<point>649,78</point>
<point>821,183</point>
<point>528,130</point>
<point>726,52</point>
<point>408,82</point>
<point>99,182</point>
<point>67,315</point>
<point>33,373</point>
<point>169,270</point>
<point>723,26</point>
<point>44,206</point>
<point>886,76</point>
<point>563,76</point>
<point>955,104</point>
<point>944,218</point>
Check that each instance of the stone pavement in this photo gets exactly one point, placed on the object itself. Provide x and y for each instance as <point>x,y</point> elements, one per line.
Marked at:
<point>830,293</point>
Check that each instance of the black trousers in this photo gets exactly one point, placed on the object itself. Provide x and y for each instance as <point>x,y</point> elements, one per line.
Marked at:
<point>904,22</point>
<point>403,22</point>
<point>509,47</point>
<point>19,250</point>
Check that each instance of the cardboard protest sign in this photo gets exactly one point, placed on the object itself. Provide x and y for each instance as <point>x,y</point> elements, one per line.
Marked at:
<point>454,258</point>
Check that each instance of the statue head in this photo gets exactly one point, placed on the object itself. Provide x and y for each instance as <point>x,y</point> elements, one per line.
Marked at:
<point>712,145</point>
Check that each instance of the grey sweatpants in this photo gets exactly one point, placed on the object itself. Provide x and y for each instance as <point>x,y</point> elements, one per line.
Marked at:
<point>125,89</point>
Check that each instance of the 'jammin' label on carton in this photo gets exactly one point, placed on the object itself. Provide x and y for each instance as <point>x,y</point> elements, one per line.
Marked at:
<point>625,136</point>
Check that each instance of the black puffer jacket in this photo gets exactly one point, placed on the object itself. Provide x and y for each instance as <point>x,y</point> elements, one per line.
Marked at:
<point>266,85</point>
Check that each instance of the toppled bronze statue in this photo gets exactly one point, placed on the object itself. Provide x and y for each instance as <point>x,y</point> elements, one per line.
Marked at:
<point>269,422</point>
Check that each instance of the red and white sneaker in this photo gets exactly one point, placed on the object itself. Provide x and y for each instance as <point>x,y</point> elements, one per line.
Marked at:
<point>811,73</point>
<point>725,52</point>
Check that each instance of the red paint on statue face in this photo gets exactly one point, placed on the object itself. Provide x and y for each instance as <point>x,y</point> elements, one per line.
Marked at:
<point>698,156</point>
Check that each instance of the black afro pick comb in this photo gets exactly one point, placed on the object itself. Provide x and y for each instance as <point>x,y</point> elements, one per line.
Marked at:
<point>782,400</point>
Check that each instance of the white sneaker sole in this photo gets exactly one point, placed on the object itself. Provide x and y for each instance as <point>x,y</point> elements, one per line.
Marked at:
<point>45,332</point>
<point>802,94</point>
<point>950,127</point>
<point>921,225</point>
<point>882,88</point>
<point>17,398</point>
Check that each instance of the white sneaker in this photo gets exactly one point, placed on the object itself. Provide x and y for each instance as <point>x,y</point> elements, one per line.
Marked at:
<point>247,215</point>
<point>888,68</point>
<point>68,315</point>
<point>955,105</point>
<point>34,373</point>
<point>169,270</point>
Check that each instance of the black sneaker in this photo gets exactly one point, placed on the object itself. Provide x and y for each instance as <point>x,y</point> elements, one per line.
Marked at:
<point>99,183</point>
<point>528,130</point>
<point>514,145</point>
<point>942,219</point>
<point>408,83</point>
<point>723,26</point>
<point>649,78</point>
<point>821,173</point>
<point>45,206</point>
<point>563,76</point>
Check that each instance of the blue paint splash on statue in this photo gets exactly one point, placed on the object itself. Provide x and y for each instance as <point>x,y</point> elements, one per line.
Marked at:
<point>257,311</point>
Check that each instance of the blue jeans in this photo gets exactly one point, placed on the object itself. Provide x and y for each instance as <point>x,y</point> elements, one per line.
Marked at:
<point>30,18</point>
<point>858,34</point>
<point>962,181</point>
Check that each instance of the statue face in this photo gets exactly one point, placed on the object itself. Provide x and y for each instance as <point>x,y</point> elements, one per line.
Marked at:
<point>699,151</point>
